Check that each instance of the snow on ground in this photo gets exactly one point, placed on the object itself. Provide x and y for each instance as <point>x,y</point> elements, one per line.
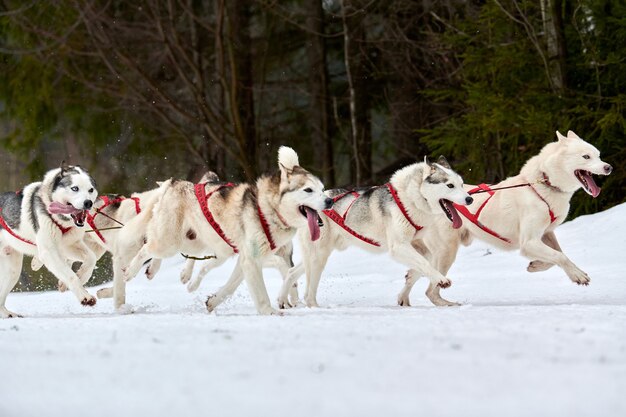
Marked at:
<point>521,345</point>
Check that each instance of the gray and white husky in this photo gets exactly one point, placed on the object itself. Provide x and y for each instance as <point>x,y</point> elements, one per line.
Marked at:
<point>225,219</point>
<point>46,220</point>
<point>525,217</point>
<point>412,217</point>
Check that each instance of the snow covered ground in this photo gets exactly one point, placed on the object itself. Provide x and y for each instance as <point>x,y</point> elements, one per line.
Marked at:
<point>521,345</point>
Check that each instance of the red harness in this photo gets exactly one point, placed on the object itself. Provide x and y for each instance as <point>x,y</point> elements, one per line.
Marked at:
<point>6,227</point>
<point>340,219</point>
<point>203,198</point>
<point>107,202</point>
<point>474,217</point>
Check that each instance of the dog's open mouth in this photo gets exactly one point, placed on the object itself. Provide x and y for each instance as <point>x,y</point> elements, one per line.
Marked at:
<point>451,213</point>
<point>589,185</point>
<point>77,215</point>
<point>314,220</point>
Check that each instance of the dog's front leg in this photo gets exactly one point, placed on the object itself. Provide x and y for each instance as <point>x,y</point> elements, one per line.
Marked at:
<point>253,273</point>
<point>408,256</point>
<point>289,281</point>
<point>11,266</point>
<point>227,289</point>
<point>185,274</point>
<point>535,248</point>
<point>549,238</point>
<point>52,259</point>
<point>80,252</point>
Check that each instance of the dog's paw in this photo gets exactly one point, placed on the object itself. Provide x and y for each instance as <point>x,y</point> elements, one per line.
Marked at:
<point>311,302</point>
<point>269,311</point>
<point>403,300</point>
<point>444,283</point>
<point>125,309</point>
<point>61,286</point>
<point>194,285</point>
<point>149,272</point>
<point>580,278</point>
<point>538,266</point>
<point>211,303</point>
<point>105,293</point>
<point>185,276</point>
<point>442,302</point>
<point>89,300</point>
<point>35,264</point>
<point>7,314</point>
<point>283,303</point>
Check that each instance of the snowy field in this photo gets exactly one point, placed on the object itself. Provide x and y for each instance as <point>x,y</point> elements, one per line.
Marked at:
<point>521,345</point>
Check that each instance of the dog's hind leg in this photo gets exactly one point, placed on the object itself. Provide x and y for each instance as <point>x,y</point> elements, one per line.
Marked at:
<point>206,268</point>
<point>549,238</point>
<point>534,248</point>
<point>11,266</point>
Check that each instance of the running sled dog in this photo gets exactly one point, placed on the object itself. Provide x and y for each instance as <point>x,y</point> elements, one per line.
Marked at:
<point>412,217</point>
<point>525,217</point>
<point>45,220</point>
<point>253,221</point>
<point>119,227</point>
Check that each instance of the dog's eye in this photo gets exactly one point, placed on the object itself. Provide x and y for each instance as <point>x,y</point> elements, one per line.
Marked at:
<point>75,189</point>
<point>90,190</point>
<point>586,157</point>
<point>450,185</point>
<point>308,190</point>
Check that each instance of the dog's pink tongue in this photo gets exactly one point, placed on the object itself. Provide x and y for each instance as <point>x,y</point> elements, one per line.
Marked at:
<point>592,188</point>
<point>314,227</point>
<point>59,208</point>
<point>456,219</point>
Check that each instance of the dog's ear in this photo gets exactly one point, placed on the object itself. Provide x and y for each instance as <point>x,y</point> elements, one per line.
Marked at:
<point>63,167</point>
<point>560,137</point>
<point>287,161</point>
<point>572,135</point>
<point>426,161</point>
<point>443,162</point>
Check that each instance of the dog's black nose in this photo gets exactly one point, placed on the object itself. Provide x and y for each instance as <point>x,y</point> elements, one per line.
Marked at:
<point>469,200</point>
<point>328,202</point>
<point>608,169</point>
<point>87,204</point>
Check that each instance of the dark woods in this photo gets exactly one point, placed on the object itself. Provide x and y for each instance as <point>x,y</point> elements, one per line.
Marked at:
<point>140,91</point>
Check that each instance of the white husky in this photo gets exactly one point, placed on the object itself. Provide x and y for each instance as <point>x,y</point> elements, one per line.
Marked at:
<point>225,219</point>
<point>525,217</point>
<point>412,217</point>
<point>46,220</point>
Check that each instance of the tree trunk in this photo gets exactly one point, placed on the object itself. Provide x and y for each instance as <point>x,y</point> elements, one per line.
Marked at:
<point>357,73</point>
<point>239,13</point>
<point>555,42</point>
<point>320,109</point>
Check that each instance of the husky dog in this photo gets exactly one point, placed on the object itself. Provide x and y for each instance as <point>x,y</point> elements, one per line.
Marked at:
<point>225,219</point>
<point>412,217</point>
<point>525,218</point>
<point>46,220</point>
<point>120,227</point>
